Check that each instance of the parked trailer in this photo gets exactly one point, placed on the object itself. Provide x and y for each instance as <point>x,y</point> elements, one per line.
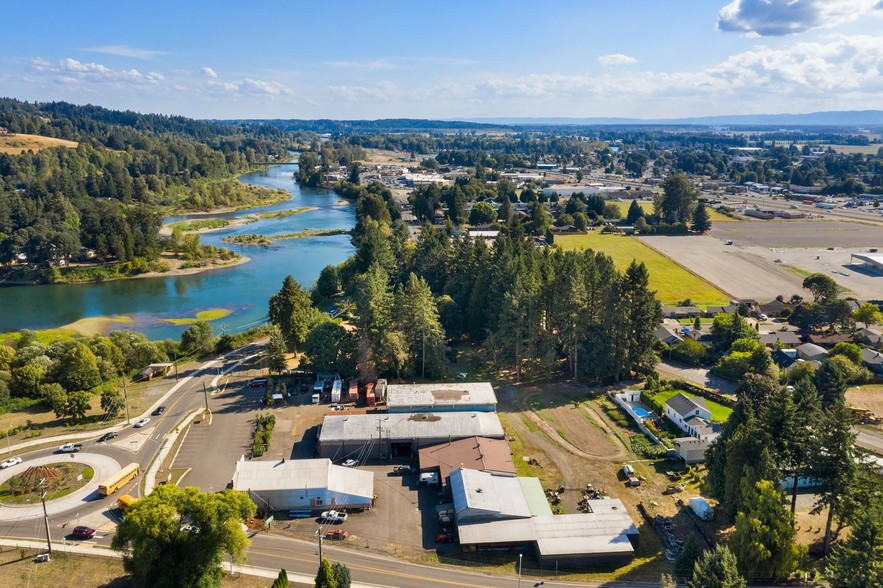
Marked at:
<point>826,205</point>
<point>702,509</point>
<point>119,479</point>
<point>335,391</point>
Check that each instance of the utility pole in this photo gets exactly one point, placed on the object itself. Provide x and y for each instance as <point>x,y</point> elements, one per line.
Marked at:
<point>126,397</point>
<point>205,394</point>
<point>423,367</point>
<point>45,514</point>
<point>319,532</point>
<point>8,448</point>
<point>175,363</point>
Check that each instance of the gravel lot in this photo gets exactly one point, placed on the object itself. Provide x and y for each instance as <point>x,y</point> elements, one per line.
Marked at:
<point>802,233</point>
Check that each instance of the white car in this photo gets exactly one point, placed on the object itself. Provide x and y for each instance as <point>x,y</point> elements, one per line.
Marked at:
<point>142,422</point>
<point>10,462</point>
<point>763,317</point>
<point>332,516</point>
<point>350,463</point>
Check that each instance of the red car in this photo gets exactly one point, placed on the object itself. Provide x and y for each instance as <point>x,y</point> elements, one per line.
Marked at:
<point>84,532</point>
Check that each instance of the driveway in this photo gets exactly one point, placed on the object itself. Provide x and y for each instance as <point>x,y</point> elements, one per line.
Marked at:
<point>700,376</point>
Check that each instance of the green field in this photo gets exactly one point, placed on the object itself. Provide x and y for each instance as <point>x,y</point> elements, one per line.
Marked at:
<point>203,315</point>
<point>200,224</point>
<point>647,207</point>
<point>671,282</point>
<point>719,412</point>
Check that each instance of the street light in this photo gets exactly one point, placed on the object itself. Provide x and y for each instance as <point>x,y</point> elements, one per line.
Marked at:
<point>519,569</point>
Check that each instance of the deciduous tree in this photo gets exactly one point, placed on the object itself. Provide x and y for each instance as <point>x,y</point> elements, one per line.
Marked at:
<point>823,288</point>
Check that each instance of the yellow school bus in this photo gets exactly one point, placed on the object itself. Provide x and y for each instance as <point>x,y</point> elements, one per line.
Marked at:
<point>119,479</point>
<point>126,501</point>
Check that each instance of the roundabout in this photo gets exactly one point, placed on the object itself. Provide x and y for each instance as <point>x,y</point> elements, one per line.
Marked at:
<point>102,466</point>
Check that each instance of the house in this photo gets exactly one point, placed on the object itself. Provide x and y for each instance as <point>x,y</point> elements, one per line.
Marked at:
<point>692,416</point>
<point>668,335</point>
<point>711,311</point>
<point>774,307</point>
<point>780,338</point>
<point>304,484</point>
<point>680,312</point>
<point>873,360</point>
<point>829,339</point>
<point>155,370</point>
<point>872,336</point>
<point>691,449</point>
<point>811,352</point>
<point>784,358</point>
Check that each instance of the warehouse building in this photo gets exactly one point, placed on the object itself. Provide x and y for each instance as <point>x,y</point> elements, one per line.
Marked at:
<point>496,512</point>
<point>304,484</point>
<point>463,396</point>
<point>871,262</point>
<point>380,435</point>
<point>474,453</point>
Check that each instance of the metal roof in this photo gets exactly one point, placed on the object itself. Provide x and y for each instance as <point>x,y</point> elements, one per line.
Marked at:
<point>407,427</point>
<point>481,494</point>
<point>259,476</point>
<point>461,394</point>
<point>475,453</point>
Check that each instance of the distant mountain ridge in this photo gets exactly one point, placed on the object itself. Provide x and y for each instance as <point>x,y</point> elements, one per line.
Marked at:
<point>839,118</point>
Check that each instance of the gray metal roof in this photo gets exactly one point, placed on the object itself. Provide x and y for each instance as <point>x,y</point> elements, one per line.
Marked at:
<point>683,404</point>
<point>482,494</point>
<point>405,427</point>
<point>461,394</point>
<point>260,476</point>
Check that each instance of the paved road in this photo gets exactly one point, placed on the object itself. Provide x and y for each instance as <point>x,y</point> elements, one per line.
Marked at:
<point>870,439</point>
<point>700,376</point>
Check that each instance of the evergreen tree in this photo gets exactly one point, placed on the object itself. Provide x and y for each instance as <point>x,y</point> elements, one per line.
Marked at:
<point>763,541</point>
<point>679,197</point>
<point>419,321</point>
<point>291,309</point>
<point>701,219</point>
<point>342,575</point>
<point>281,580</point>
<point>276,351</point>
<point>716,569</point>
<point>635,212</point>
<point>858,562</point>
<point>325,577</point>
<point>687,558</point>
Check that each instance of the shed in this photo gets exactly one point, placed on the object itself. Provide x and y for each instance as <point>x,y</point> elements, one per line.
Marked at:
<point>155,370</point>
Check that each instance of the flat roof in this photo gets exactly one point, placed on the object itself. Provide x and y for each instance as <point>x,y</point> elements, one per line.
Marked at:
<point>536,499</point>
<point>476,453</point>
<point>285,474</point>
<point>461,394</point>
<point>488,495</point>
<point>398,427</point>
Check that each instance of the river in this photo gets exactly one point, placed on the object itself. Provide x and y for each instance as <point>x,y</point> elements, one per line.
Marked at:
<point>243,289</point>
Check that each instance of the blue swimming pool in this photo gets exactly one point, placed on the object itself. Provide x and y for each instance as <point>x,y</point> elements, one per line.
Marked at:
<point>642,412</point>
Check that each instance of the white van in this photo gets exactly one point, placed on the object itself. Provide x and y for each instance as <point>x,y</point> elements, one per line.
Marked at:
<point>628,471</point>
<point>316,398</point>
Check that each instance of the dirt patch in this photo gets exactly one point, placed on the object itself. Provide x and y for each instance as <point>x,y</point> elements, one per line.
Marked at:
<point>866,398</point>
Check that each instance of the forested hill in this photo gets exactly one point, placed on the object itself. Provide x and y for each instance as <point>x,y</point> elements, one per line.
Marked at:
<point>389,125</point>
<point>107,194</point>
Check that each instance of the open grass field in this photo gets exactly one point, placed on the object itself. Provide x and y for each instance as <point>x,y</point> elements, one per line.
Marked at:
<point>647,207</point>
<point>868,149</point>
<point>719,412</point>
<point>866,397</point>
<point>671,282</point>
<point>14,144</point>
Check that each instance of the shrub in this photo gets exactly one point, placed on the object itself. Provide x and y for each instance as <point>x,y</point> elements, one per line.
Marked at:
<point>645,448</point>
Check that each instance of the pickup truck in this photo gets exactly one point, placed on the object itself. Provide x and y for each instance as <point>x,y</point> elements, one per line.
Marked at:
<point>70,448</point>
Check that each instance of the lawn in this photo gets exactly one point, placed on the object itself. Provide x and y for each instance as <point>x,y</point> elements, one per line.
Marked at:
<point>203,315</point>
<point>647,207</point>
<point>719,412</point>
<point>671,282</point>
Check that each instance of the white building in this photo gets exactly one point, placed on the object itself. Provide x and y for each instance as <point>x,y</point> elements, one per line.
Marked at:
<point>443,397</point>
<point>692,416</point>
<point>304,484</point>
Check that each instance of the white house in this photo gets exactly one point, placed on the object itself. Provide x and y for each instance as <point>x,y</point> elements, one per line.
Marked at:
<point>692,416</point>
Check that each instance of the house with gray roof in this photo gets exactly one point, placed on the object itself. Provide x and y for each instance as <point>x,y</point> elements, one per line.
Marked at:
<point>811,352</point>
<point>873,360</point>
<point>691,415</point>
<point>783,338</point>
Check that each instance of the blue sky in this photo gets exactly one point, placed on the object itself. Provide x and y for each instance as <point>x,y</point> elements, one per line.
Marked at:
<point>453,59</point>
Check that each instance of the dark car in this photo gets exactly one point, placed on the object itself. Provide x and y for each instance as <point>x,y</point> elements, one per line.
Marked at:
<point>403,470</point>
<point>257,383</point>
<point>84,532</point>
<point>159,411</point>
<point>107,437</point>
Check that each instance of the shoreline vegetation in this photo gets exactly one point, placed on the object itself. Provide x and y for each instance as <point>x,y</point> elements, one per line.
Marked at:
<point>265,240</point>
<point>207,225</point>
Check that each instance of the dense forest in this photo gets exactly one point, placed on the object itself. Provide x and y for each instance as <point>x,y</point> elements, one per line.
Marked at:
<point>107,194</point>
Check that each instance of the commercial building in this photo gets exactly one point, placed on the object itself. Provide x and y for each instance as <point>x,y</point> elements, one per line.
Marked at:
<point>384,434</point>
<point>475,453</point>
<point>871,262</point>
<point>462,396</point>
<point>494,512</point>
<point>304,484</point>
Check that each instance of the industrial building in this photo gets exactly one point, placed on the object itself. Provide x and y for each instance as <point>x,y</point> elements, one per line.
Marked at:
<point>377,435</point>
<point>871,262</point>
<point>304,484</point>
<point>463,396</point>
<point>494,512</point>
<point>474,453</point>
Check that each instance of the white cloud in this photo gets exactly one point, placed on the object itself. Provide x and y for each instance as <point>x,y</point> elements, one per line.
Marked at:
<point>209,73</point>
<point>616,59</point>
<point>126,51</point>
<point>382,91</point>
<point>69,71</point>
<point>262,87</point>
<point>785,17</point>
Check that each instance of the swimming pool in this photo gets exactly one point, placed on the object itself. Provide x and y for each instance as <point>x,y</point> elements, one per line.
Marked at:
<point>642,412</point>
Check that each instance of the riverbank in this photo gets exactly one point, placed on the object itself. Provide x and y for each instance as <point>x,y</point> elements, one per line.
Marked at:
<point>265,241</point>
<point>208,225</point>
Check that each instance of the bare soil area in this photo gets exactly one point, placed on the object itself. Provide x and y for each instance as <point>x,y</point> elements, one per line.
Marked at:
<point>866,398</point>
